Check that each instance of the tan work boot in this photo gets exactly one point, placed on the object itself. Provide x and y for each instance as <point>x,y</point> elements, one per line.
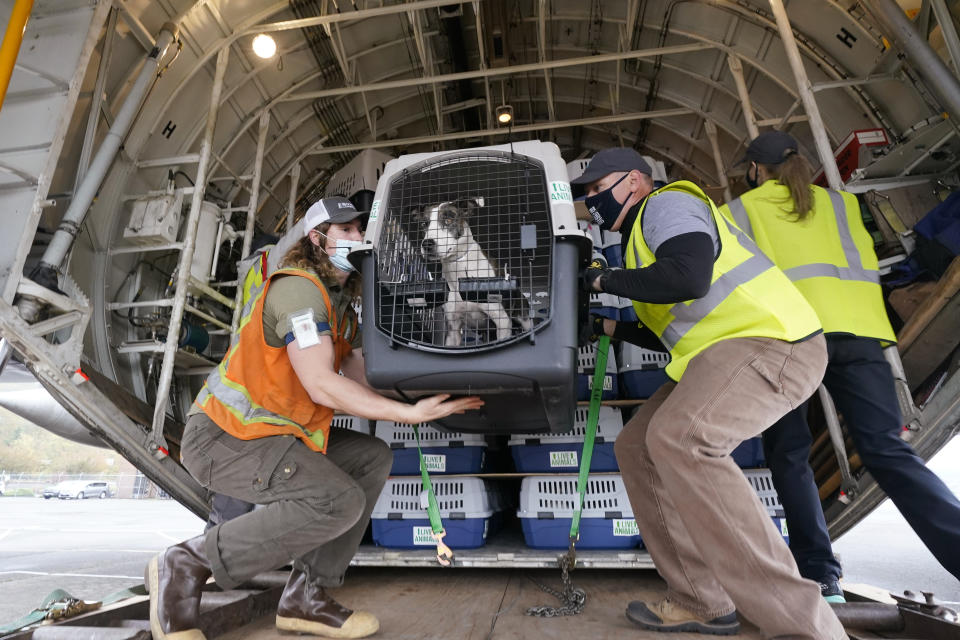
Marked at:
<point>669,616</point>
<point>175,579</point>
<point>307,608</point>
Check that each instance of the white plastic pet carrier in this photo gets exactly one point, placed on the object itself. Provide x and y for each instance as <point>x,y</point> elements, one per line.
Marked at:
<point>403,498</point>
<point>353,423</point>
<point>400,436</point>
<point>606,496</point>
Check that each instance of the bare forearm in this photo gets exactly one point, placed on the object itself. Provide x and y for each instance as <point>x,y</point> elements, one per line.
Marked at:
<point>315,370</point>
<point>341,393</point>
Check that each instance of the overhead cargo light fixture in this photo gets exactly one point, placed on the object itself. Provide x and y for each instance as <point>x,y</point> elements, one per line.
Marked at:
<point>505,114</point>
<point>264,46</point>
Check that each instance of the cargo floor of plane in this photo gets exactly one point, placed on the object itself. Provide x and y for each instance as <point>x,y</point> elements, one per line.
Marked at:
<point>106,543</point>
<point>423,604</point>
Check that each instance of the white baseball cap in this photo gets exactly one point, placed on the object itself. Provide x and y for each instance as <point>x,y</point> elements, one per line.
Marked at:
<point>336,209</point>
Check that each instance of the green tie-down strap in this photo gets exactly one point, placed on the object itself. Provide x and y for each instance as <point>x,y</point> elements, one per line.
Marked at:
<point>60,605</point>
<point>444,553</point>
<point>593,415</point>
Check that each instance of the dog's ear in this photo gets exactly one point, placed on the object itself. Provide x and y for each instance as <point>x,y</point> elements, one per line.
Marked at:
<point>415,212</point>
<point>468,206</point>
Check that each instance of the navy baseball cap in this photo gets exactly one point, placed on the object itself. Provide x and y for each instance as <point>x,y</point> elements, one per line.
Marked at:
<point>611,160</point>
<point>770,147</point>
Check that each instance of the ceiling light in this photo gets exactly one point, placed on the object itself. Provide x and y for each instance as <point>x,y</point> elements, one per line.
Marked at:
<point>264,46</point>
<point>504,114</point>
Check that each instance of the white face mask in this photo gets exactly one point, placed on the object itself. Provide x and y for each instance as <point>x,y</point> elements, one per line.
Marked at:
<point>339,257</point>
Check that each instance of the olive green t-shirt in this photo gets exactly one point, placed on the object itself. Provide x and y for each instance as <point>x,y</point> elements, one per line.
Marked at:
<point>291,295</point>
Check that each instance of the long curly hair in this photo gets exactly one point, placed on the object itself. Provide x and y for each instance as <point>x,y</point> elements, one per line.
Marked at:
<point>308,256</point>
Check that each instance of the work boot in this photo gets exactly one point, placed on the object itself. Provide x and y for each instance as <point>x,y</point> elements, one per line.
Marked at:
<point>671,617</point>
<point>307,608</point>
<point>175,579</point>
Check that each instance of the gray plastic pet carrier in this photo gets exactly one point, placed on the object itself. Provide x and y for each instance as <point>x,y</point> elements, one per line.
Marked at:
<point>469,269</point>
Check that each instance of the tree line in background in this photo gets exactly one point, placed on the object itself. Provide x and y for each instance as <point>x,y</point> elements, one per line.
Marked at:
<point>27,448</point>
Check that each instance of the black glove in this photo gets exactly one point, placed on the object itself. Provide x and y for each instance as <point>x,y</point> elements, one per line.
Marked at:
<point>592,330</point>
<point>593,271</point>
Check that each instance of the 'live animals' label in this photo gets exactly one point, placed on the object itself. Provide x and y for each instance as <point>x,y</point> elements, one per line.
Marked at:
<point>563,459</point>
<point>622,528</point>
<point>421,537</point>
<point>560,192</point>
<point>375,210</point>
<point>783,528</point>
<point>435,462</point>
<point>607,382</point>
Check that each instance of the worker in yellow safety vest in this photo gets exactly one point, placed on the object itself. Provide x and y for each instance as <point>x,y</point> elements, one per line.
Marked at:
<point>745,347</point>
<point>817,237</point>
<point>260,431</point>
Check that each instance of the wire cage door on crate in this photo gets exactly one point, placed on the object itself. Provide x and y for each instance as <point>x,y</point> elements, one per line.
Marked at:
<point>464,260</point>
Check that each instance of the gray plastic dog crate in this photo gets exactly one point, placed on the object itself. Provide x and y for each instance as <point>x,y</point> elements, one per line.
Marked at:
<point>470,265</point>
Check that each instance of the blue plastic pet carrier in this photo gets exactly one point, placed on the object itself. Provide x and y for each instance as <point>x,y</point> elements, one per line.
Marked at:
<point>468,507</point>
<point>546,509</point>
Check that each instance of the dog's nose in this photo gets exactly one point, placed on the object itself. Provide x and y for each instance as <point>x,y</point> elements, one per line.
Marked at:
<point>428,245</point>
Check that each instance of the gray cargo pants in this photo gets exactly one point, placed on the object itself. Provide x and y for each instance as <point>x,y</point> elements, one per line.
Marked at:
<point>709,536</point>
<point>316,506</point>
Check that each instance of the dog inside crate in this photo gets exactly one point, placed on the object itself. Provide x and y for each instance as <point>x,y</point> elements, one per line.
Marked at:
<point>464,260</point>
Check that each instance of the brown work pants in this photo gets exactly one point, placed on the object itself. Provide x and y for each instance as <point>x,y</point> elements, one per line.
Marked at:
<point>315,507</point>
<point>711,539</point>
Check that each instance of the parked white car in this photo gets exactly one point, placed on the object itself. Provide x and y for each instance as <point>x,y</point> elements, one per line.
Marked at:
<point>80,489</point>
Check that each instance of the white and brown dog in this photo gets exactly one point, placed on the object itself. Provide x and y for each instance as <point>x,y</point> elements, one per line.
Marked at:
<point>448,239</point>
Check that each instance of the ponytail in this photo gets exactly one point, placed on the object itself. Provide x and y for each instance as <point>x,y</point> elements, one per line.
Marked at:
<point>796,174</point>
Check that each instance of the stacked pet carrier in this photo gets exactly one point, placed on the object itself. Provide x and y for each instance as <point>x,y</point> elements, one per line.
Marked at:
<point>561,453</point>
<point>470,507</point>
<point>469,268</point>
<point>762,483</point>
<point>546,510</point>
<point>586,367</point>
<point>443,452</point>
<point>641,371</point>
<point>353,423</point>
<point>547,501</point>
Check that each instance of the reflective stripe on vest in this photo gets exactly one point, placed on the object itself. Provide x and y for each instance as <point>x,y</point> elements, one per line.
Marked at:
<point>230,399</point>
<point>236,399</point>
<point>247,311</point>
<point>748,296</point>
<point>854,269</point>
<point>234,396</point>
<point>828,255</point>
<point>687,315</point>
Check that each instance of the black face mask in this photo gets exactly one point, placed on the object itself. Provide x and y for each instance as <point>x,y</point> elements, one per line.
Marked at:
<point>604,208</point>
<point>753,180</point>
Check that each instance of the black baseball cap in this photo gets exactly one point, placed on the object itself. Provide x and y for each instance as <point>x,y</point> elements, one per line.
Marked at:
<point>610,160</point>
<point>770,147</point>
